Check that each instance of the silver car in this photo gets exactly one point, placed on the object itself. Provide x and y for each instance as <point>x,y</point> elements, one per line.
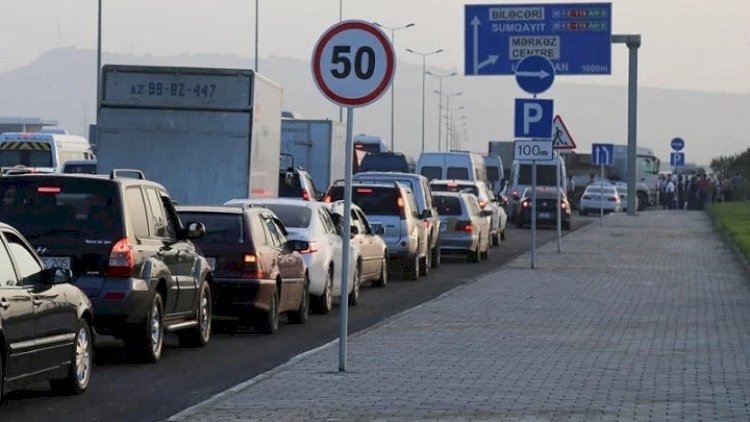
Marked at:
<point>487,201</point>
<point>392,211</point>
<point>465,227</point>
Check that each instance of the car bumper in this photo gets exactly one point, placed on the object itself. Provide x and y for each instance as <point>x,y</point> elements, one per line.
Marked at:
<point>234,296</point>
<point>458,242</point>
<point>116,301</point>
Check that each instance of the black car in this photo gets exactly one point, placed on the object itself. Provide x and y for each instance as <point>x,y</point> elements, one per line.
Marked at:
<point>127,249</point>
<point>258,273</point>
<point>386,161</point>
<point>45,322</point>
<point>546,208</point>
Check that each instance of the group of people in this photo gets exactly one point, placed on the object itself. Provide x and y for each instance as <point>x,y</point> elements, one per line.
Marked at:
<point>696,191</point>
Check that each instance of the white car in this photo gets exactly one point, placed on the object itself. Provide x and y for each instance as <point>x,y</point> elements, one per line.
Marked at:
<point>311,221</point>
<point>498,217</point>
<point>592,201</point>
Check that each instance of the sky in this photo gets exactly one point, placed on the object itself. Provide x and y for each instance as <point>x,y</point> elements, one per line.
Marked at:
<point>687,44</point>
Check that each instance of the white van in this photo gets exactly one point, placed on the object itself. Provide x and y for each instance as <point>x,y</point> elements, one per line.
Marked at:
<point>495,172</point>
<point>520,179</point>
<point>42,152</point>
<point>452,166</point>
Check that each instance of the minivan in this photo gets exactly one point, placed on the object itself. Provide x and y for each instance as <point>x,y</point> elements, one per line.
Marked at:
<point>452,165</point>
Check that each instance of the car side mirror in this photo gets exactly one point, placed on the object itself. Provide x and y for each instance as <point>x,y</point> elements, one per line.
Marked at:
<point>195,230</point>
<point>50,276</point>
<point>426,214</point>
<point>298,245</point>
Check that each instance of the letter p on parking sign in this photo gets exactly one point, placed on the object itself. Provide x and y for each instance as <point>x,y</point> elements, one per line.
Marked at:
<point>533,118</point>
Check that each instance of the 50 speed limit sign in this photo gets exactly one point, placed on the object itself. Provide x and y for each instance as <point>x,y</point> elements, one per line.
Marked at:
<point>353,63</point>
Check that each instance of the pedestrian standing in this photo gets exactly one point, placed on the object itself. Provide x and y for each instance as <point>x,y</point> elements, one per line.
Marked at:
<point>669,194</point>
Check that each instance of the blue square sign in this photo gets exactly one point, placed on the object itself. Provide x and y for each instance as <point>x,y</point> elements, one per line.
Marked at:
<point>533,118</point>
<point>677,159</point>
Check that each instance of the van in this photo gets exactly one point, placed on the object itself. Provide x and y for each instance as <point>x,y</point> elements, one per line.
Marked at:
<point>386,161</point>
<point>495,173</point>
<point>546,175</point>
<point>452,165</point>
<point>42,152</point>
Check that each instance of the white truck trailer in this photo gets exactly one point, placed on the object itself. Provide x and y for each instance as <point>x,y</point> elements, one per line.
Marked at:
<point>207,135</point>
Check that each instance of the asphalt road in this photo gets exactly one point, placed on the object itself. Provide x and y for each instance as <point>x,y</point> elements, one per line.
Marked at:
<point>121,391</point>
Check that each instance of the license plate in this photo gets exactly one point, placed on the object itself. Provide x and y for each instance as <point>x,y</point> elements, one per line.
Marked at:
<point>56,262</point>
<point>211,262</point>
<point>545,215</point>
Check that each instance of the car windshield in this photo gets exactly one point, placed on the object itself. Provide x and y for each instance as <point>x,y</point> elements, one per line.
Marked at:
<point>25,157</point>
<point>294,216</point>
<point>220,228</point>
<point>60,206</point>
<point>447,205</point>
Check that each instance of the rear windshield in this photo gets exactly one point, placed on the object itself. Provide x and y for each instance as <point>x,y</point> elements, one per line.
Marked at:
<point>61,207</point>
<point>220,228</point>
<point>442,187</point>
<point>447,205</point>
<point>290,187</point>
<point>458,173</point>
<point>291,215</point>
<point>545,175</point>
<point>493,173</point>
<point>432,172</point>
<point>25,157</point>
<point>384,162</point>
<point>372,200</point>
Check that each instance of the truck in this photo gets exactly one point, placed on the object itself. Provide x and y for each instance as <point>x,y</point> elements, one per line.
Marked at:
<point>316,146</point>
<point>581,171</point>
<point>207,135</point>
<point>504,150</point>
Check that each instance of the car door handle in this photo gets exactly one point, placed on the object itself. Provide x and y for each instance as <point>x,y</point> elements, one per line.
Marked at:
<point>4,304</point>
<point>36,302</point>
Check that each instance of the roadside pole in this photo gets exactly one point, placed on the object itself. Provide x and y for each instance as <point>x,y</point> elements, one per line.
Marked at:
<point>601,197</point>
<point>343,302</point>
<point>533,214</point>
<point>559,203</point>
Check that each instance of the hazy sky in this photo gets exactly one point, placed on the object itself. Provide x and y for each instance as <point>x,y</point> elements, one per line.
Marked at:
<point>687,44</point>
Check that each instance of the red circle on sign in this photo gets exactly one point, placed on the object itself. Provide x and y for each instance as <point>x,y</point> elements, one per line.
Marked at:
<point>387,75</point>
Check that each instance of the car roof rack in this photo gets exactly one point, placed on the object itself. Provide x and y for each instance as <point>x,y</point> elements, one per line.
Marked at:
<point>137,174</point>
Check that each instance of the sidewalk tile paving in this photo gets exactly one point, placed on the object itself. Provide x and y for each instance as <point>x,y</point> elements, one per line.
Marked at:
<point>642,319</point>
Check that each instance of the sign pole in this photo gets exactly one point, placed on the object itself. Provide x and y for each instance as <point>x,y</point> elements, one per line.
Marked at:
<point>559,204</point>
<point>344,303</point>
<point>533,214</point>
<point>601,197</point>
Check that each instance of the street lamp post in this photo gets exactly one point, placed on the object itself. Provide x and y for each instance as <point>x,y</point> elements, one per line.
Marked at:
<point>449,111</point>
<point>424,70</point>
<point>440,102</point>
<point>393,83</point>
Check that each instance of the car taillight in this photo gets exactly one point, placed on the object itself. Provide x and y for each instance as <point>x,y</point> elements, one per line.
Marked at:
<point>312,247</point>
<point>464,226</point>
<point>400,204</point>
<point>525,204</point>
<point>251,267</point>
<point>482,204</point>
<point>121,259</point>
<point>327,199</point>
<point>612,199</point>
<point>305,195</point>
<point>48,189</point>
<point>563,205</point>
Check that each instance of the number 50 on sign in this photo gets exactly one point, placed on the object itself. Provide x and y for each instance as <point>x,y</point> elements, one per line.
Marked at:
<point>353,63</point>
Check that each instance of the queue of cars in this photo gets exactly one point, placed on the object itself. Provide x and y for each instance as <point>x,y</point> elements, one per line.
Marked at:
<point>113,254</point>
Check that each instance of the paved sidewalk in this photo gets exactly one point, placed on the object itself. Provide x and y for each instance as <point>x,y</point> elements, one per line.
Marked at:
<point>645,318</point>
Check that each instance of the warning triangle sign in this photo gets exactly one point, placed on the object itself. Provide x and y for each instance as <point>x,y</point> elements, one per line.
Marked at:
<point>561,138</point>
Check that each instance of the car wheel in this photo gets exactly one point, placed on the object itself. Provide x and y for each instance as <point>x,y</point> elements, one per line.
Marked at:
<point>436,255</point>
<point>354,295</point>
<point>199,335</point>
<point>81,364</point>
<point>269,323</point>
<point>382,281</point>
<point>411,271</point>
<point>324,302</point>
<point>473,255</point>
<point>300,315</point>
<point>147,339</point>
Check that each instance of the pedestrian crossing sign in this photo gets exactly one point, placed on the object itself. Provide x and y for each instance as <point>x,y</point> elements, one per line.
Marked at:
<point>561,138</point>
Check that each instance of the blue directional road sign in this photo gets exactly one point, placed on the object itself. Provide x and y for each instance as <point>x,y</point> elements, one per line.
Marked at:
<point>575,37</point>
<point>677,159</point>
<point>533,118</point>
<point>535,74</point>
<point>678,144</point>
<point>602,154</point>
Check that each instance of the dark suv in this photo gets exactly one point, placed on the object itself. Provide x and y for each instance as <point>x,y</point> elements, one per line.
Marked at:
<point>127,250</point>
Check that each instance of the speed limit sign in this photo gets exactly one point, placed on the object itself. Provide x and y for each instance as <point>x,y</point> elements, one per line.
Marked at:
<point>353,63</point>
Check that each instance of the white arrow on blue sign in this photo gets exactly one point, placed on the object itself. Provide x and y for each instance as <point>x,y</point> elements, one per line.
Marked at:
<point>535,74</point>
<point>602,154</point>
<point>678,144</point>
<point>533,118</point>
<point>677,159</point>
